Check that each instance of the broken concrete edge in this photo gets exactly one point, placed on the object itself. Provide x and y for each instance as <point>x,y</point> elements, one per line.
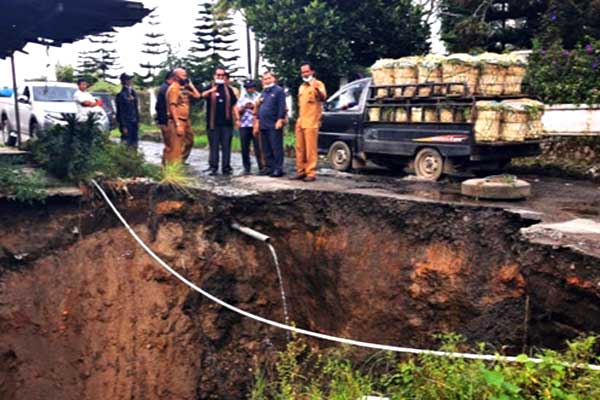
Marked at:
<point>579,235</point>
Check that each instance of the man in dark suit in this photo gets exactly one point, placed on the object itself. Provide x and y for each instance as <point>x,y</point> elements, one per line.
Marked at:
<point>271,120</point>
<point>128,116</point>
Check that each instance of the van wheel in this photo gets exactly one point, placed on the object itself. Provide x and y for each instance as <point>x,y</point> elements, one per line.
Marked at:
<point>340,156</point>
<point>429,164</point>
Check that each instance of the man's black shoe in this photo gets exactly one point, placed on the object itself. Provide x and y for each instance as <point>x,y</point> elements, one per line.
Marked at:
<point>297,177</point>
<point>265,172</point>
<point>277,174</point>
<point>213,172</point>
<point>209,169</point>
<point>247,172</point>
<point>227,173</point>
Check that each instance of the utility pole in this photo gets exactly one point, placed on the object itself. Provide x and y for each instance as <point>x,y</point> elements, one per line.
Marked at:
<point>16,97</point>
<point>249,50</point>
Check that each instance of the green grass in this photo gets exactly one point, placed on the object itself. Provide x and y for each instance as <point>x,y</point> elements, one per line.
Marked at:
<point>23,185</point>
<point>300,373</point>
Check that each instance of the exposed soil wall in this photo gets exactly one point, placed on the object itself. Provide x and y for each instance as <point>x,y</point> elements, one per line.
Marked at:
<point>84,313</point>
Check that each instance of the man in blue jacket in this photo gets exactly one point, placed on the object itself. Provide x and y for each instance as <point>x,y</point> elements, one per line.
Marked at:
<point>128,115</point>
<point>271,120</point>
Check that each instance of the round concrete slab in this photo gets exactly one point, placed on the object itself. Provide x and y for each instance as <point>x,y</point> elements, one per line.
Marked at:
<point>501,187</point>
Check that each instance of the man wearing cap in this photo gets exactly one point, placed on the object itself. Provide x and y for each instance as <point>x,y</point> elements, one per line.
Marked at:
<point>311,96</point>
<point>221,113</point>
<point>246,105</point>
<point>128,116</point>
<point>162,114</point>
<point>180,135</point>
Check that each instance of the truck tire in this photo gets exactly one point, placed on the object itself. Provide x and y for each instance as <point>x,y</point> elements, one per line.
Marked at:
<point>429,164</point>
<point>6,129</point>
<point>340,156</point>
<point>34,130</point>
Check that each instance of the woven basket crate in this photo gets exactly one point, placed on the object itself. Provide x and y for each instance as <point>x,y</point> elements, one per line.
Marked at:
<point>514,131</point>
<point>401,115</point>
<point>387,114</point>
<point>488,121</point>
<point>513,82</point>
<point>405,73</point>
<point>447,115</point>
<point>383,74</point>
<point>429,75</point>
<point>521,119</point>
<point>374,114</point>
<point>461,68</point>
<point>492,74</point>
<point>416,114</point>
<point>430,114</point>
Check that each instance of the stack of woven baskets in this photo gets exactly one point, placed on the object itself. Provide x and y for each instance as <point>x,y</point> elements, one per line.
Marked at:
<point>508,121</point>
<point>488,74</point>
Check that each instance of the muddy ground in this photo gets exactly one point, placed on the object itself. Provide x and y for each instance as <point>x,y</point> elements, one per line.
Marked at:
<point>85,313</point>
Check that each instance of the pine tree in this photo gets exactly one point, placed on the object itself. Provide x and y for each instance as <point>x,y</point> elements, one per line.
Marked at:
<point>213,43</point>
<point>101,62</point>
<point>155,49</point>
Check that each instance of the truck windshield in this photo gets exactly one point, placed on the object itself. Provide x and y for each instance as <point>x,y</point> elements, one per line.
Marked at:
<point>53,93</point>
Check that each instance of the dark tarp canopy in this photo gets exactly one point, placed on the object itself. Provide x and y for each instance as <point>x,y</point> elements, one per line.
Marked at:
<point>53,22</point>
<point>56,22</point>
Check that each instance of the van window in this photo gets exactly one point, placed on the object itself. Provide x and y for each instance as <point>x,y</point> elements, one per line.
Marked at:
<point>348,99</point>
<point>53,93</point>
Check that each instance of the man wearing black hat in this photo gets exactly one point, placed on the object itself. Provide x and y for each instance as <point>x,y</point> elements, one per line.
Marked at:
<point>128,116</point>
<point>246,105</point>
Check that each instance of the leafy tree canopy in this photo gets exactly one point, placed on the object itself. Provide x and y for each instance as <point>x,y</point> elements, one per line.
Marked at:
<point>339,37</point>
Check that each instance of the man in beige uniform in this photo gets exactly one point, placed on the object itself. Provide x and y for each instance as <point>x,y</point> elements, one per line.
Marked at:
<point>180,135</point>
<point>311,96</point>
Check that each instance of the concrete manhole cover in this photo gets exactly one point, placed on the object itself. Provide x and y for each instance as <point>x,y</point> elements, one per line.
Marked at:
<point>499,187</point>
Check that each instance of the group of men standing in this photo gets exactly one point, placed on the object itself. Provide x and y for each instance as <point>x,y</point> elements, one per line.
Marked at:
<point>260,118</point>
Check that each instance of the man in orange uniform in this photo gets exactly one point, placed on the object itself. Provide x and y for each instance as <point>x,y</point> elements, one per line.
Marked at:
<point>180,135</point>
<point>311,96</point>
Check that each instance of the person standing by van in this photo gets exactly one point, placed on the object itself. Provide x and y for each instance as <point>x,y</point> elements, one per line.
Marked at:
<point>271,120</point>
<point>128,114</point>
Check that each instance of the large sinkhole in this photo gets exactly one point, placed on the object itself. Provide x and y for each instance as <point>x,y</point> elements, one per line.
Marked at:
<point>85,313</point>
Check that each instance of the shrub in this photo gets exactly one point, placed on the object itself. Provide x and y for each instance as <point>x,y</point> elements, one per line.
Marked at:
<point>558,75</point>
<point>78,151</point>
<point>302,374</point>
<point>22,185</point>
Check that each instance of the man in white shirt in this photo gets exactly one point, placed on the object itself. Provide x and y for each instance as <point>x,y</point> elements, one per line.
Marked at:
<point>86,103</point>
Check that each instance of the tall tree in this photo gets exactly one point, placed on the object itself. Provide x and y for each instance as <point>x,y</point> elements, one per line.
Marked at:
<point>213,43</point>
<point>572,22</point>
<point>493,25</point>
<point>155,49</point>
<point>339,37</point>
<point>102,61</point>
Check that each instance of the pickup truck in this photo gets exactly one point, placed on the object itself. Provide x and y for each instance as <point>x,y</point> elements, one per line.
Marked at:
<point>41,105</point>
<point>429,149</point>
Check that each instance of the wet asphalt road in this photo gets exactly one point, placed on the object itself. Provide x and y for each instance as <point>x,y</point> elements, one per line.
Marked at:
<point>553,200</point>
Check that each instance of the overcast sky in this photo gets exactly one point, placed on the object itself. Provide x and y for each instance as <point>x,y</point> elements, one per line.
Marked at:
<point>177,23</point>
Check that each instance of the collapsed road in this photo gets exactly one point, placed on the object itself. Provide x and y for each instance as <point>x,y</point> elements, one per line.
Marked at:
<point>85,313</point>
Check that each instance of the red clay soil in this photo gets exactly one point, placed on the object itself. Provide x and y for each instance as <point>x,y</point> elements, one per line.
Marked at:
<point>85,314</point>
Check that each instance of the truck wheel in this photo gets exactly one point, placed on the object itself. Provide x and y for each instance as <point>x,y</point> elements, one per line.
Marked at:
<point>6,129</point>
<point>33,130</point>
<point>429,164</point>
<point>340,156</point>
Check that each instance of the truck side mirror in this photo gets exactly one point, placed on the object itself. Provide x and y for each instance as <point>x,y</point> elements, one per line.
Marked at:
<point>23,99</point>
